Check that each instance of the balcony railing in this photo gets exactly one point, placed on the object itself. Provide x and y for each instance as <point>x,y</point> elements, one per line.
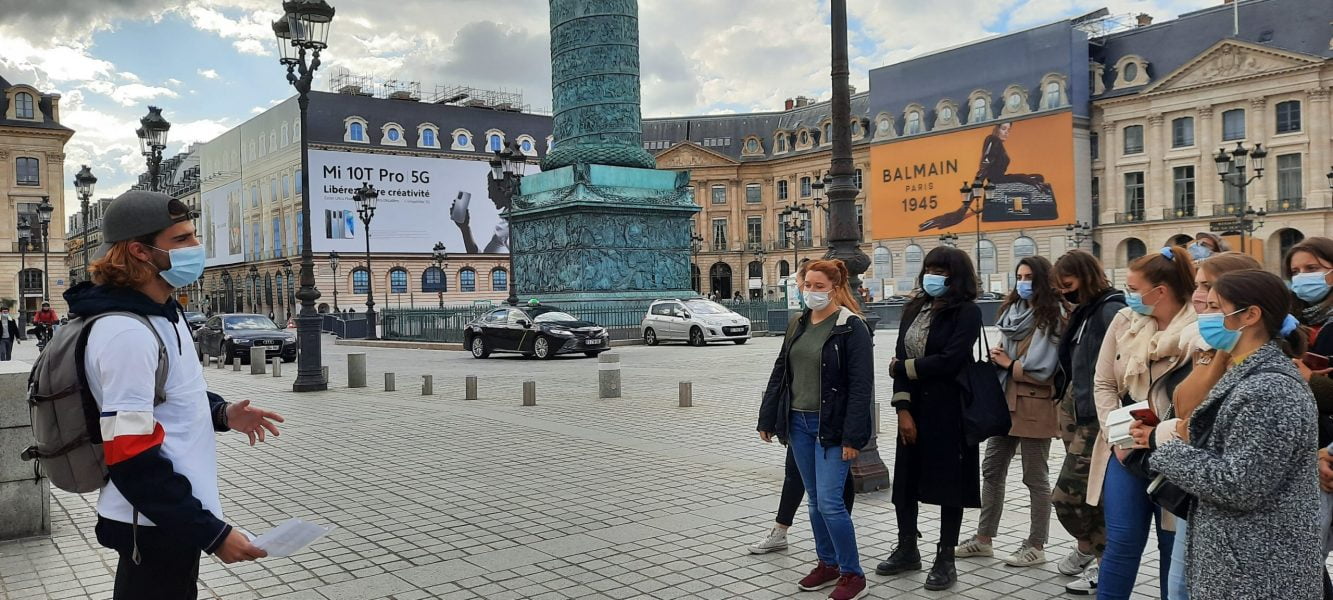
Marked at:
<point>1179,212</point>
<point>1286,205</point>
<point>1129,217</point>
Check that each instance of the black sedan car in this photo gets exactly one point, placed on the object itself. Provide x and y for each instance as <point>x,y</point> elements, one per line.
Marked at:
<point>539,331</point>
<point>226,336</point>
<point>194,319</point>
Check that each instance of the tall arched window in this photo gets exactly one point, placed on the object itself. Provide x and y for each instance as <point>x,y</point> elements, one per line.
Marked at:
<point>467,279</point>
<point>360,281</point>
<point>499,279</point>
<point>979,112</point>
<point>286,135</point>
<point>913,123</point>
<point>1024,247</point>
<point>398,280</point>
<point>784,269</point>
<point>987,261</point>
<point>23,106</point>
<point>432,280</point>
<point>428,138</point>
<point>913,257</point>
<point>1051,96</point>
<point>1134,248</point>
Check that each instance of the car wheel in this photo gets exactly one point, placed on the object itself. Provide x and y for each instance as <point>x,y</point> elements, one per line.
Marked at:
<point>479,349</point>
<point>650,337</point>
<point>541,348</point>
<point>697,337</point>
<point>740,342</point>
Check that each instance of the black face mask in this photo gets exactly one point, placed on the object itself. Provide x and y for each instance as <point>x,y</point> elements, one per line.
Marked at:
<point>1071,297</point>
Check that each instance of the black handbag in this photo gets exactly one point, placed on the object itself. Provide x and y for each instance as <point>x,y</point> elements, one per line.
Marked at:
<point>985,411</point>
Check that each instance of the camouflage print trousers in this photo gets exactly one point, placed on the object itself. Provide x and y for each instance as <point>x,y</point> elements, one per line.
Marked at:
<point>1080,519</point>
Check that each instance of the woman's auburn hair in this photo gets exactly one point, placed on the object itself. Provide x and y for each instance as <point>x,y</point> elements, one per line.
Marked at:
<point>837,274</point>
<point>119,268</point>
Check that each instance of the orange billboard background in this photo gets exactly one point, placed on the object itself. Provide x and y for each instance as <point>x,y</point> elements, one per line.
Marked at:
<point>914,183</point>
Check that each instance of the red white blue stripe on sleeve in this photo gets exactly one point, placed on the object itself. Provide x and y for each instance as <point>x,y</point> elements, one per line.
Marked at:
<point>129,434</point>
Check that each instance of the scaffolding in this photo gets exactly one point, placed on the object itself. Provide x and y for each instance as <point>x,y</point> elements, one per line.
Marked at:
<point>343,81</point>
<point>1101,23</point>
<point>463,95</point>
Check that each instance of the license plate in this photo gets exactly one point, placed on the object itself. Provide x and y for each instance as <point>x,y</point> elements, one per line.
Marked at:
<point>596,342</point>
<point>734,330</point>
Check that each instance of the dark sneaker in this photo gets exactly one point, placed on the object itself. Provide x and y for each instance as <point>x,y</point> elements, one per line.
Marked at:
<point>904,558</point>
<point>823,576</point>
<point>850,587</point>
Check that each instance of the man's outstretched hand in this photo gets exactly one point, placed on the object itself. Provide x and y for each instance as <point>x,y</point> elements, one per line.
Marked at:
<point>252,421</point>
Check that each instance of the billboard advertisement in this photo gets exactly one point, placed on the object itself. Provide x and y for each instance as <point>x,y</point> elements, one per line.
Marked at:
<point>915,182</point>
<point>421,201</point>
<point>221,223</point>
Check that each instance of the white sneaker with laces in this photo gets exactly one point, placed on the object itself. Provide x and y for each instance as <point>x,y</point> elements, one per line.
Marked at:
<point>1075,562</point>
<point>1086,584</point>
<point>973,547</point>
<point>1026,556</point>
<point>775,540</point>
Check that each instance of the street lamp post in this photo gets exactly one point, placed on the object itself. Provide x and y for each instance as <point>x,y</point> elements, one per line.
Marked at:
<point>44,211</point>
<point>365,198</point>
<point>949,239</point>
<point>1077,232</point>
<point>152,134</point>
<point>230,306</point>
<point>503,186</point>
<point>25,240</point>
<point>287,281</point>
<point>696,273</point>
<point>1231,167</point>
<point>333,266</point>
<point>84,182</point>
<point>304,28</point>
<point>868,470</point>
<point>255,304</point>
<point>795,219</point>
<point>438,255</point>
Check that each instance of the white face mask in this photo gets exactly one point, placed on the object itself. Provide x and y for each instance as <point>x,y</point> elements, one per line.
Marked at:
<point>817,300</point>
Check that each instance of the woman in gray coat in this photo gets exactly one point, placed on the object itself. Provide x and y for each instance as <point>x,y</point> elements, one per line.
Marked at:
<point>1247,453</point>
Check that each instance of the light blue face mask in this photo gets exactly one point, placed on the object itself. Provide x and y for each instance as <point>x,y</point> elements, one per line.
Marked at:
<point>1024,289</point>
<point>935,285</point>
<point>1310,287</point>
<point>1214,331</point>
<point>1199,251</point>
<point>187,264</point>
<point>1134,301</point>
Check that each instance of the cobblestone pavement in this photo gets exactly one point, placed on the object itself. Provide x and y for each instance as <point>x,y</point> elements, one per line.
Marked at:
<point>438,497</point>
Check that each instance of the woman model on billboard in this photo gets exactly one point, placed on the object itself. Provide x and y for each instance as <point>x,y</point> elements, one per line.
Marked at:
<point>992,169</point>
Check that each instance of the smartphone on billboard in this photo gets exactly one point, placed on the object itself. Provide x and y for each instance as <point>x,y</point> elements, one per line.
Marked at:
<point>459,211</point>
<point>328,224</point>
<point>349,224</point>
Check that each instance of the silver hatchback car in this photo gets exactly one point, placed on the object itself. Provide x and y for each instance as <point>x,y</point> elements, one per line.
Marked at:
<point>696,321</point>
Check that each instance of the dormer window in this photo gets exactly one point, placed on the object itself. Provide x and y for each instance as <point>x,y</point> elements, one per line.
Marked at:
<point>527,145</point>
<point>1015,101</point>
<point>23,106</point>
<point>495,140</point>
<point>827,137</point>
<point>946,115</point>
<point>428,136</point>
<point>752,147</point>
<point>883,126</point>
<point>1131,71</point>
<point>978,107</point>
<point>1053,92</point>
<point>462,140</point>
<point>392,135</point>
<point>354,130</point>
<point>913,123</point>
<point>780,138</point>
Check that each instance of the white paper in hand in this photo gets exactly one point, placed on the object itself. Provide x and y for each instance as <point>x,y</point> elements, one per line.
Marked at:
<point>290,536</point>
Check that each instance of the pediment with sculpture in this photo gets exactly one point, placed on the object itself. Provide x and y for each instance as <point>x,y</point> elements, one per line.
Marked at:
<point>1232,60</point>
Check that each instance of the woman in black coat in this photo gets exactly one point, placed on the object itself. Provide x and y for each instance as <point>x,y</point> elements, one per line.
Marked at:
<point>994,165</point>
<point>934,463</point>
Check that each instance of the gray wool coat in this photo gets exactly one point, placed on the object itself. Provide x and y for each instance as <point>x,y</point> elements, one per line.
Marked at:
<point>1254,533</point>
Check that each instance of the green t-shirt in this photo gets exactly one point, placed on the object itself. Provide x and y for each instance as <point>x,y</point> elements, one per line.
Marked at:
<point>805,356</point>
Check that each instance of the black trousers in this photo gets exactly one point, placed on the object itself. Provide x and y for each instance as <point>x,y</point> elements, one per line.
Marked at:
<point>951,523</point>
<point>793,491</point>
<point>168,569</point>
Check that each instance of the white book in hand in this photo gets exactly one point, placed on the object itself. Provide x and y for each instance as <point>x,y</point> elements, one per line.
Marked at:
<point>1119,422</point>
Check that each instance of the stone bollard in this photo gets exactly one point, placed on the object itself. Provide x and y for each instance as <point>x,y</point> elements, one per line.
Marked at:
<point>25,495</point>
<point>529,393</point>
<point>608,375</point>
<point>324,372</point>
<point>257,359</point>
<point>470,388</point>
<point>277,366</point>
<point>877,429</point>
<point>222,361</point>
<point>389,383</point>
<point>356,370</point>
<point>427,385</point>
<point>686,394</point>
<point>236,363</point>
<point>204,362</point>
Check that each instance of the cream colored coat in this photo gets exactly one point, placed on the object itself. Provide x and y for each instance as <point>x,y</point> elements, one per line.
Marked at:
<point>1109,382</point>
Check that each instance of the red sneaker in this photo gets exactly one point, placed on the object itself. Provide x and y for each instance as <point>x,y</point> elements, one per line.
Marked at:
<point>823,576</point>
<point>850,587</point>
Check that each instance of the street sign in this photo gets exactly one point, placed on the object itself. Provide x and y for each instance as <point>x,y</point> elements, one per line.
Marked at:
<point>1225,226</point>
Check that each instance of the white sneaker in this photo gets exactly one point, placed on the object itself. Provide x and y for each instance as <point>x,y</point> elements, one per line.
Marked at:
<point>775,540</point>
<point>973,547</point>
<point>1026,556</point>
<point>1075,562</point>
<point>1086,584</point>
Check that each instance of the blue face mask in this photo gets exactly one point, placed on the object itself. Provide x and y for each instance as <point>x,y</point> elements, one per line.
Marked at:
<point>1135,302</point>
<point>1310,287</point>
<point>1024,289</point>
<point>187,264</point>
<point>1213,329</point>
<point>1199,251</point>
<point>935,285</point>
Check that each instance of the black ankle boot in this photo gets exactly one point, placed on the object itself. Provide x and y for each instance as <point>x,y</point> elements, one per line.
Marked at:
<point>904,558</point>
<point>942,574</point>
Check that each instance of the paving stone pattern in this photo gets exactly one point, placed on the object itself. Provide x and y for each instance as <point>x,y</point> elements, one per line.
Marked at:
<point>438,497</point>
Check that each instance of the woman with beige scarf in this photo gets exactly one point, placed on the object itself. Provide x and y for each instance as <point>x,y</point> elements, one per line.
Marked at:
<point>1145,354</point>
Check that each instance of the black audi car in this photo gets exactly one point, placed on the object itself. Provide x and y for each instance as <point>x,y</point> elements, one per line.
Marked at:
<point>226,336</point>
<point>539,331</point>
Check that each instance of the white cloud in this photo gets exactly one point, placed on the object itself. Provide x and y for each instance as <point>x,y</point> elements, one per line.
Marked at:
<point>135,93</point>
<point>207,73</point>
<point>249,32</point>
<point>52,64</point>
<point>173,82</point>
<point>254,47</point>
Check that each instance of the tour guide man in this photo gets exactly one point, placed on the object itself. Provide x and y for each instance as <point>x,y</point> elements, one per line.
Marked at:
<point>161,507</point>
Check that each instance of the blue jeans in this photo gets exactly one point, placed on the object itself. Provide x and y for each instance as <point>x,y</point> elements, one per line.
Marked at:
<point>1129,514</point>
<point>824,473</point>
<point>1177,582</point>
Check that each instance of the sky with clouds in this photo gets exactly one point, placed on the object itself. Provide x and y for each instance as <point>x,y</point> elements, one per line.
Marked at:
<point>212,63</point>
